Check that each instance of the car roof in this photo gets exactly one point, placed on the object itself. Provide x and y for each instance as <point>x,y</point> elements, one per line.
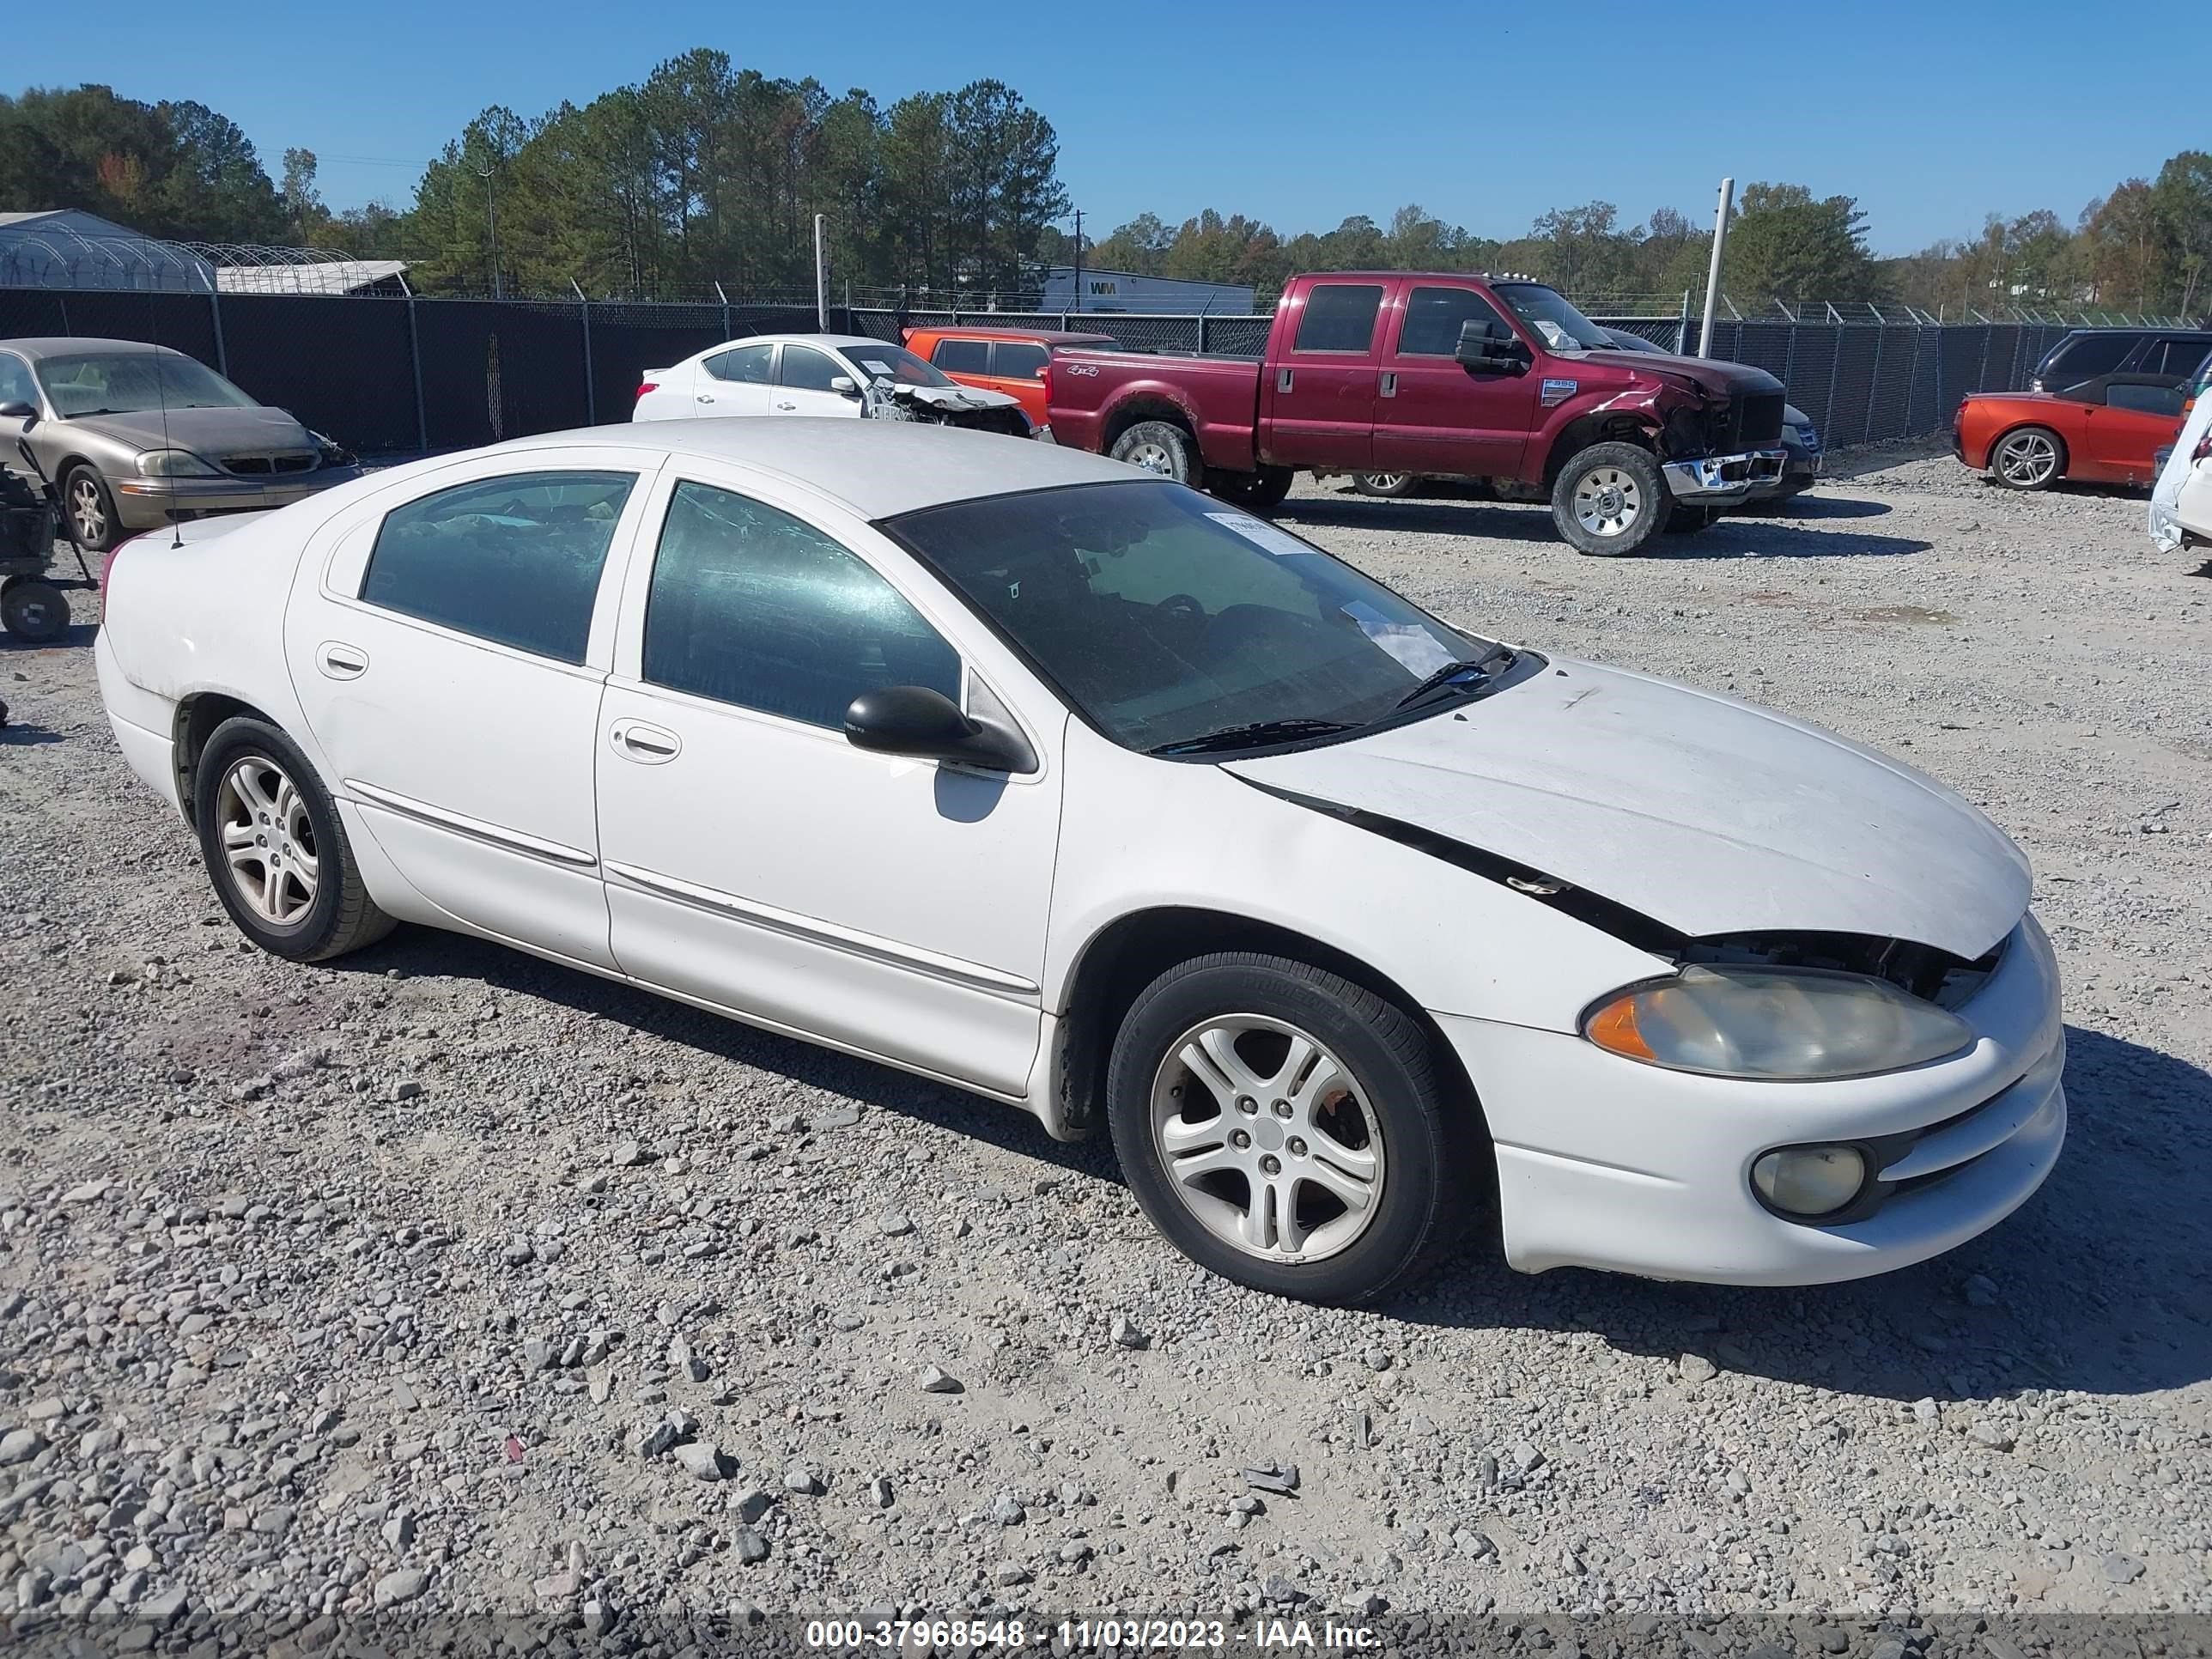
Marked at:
<point>36,347</point>
<point>1041,336</point>
<point>878,469</point>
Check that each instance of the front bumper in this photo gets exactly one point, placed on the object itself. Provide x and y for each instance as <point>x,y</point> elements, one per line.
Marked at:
<point>1723,480</point>
<point>1603,1162</point>
<point>149,503</point>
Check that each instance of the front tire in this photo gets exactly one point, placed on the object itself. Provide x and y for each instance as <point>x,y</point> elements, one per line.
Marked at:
<point>1161,447</point>
<point>275,849</point>
<point>1609,500</point>
<point>2033,458</point>
<point>1286,1128</point>
<point>34,612</point>
<point>91,509</point>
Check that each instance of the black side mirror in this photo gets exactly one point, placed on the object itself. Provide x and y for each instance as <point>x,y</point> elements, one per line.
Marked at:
<point>916,721</point>
<point>17,410</point>
<point>1486,343</point>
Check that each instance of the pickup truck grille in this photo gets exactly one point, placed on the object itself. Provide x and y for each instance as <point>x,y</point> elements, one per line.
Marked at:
<point>1755,421</point>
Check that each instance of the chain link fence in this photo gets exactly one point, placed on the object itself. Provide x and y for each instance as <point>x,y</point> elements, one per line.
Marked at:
<point>402,375</point>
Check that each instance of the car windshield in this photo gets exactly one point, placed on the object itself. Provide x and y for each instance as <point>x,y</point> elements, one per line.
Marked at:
<point>1547,311</point>
<point>125,382</point>
<point>881,361</point>
<point>1166,617</point>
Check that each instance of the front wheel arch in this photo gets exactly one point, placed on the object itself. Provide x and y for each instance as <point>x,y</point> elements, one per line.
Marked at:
<point>1119,960</point>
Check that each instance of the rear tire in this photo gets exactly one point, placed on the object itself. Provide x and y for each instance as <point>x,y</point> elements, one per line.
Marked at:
<point>2028,458</point>
<point>1161,447</point>
<point>1391,486</point>
<point>1609,500</point>
<point>1256,492</point>
<point>275,849</point>
<point>34,612</point>
<point>1290,1211</point>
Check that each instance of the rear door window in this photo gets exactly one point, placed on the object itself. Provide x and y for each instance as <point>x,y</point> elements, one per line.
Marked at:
<point>2177,357</point>
<point>1016,359</point>
<point>1338,316</point>
<point>962,356</point>
<point>515,560</point>
<point>747,364</point>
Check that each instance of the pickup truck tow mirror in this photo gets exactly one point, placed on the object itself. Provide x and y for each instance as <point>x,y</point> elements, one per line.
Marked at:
<point>925,725</point>
<point>844,385</point>
<point>1488,343</point>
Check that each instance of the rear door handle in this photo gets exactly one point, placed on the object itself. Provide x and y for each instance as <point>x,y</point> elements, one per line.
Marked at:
<point>1282,380</point>
<point>704,397</point>
<point>340,661</point>
<point>649,745</point>
<point>1390,386</point>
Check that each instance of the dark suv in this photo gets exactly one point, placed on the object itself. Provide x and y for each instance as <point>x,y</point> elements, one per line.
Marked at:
<point>2173,354</point>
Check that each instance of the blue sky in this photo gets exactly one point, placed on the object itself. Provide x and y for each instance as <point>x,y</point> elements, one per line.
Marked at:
<point>1295,112</point>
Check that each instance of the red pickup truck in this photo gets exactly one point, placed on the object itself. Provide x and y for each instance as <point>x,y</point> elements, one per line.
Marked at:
<point>1490,380</point>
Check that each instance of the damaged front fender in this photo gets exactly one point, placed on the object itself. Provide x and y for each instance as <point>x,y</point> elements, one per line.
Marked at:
<point>960,406</point>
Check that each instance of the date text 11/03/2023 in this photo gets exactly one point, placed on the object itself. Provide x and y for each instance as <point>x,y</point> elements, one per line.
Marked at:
<point>1087,1635</point>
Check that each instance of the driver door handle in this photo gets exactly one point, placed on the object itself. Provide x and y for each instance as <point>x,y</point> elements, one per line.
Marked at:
<point>704,397</point>
<point>786,405</point>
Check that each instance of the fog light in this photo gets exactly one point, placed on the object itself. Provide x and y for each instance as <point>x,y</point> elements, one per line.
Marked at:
<point>1810,1182</point>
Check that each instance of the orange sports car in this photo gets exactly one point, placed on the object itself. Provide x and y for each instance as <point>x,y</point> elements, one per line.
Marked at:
<point>1008,360</point>
<point>2103,431</point>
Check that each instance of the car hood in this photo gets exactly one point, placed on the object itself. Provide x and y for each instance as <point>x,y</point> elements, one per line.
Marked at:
<point>206,432</point>
<point>1704,813</point>
<point>1706,374</point>
<point>951,399</point>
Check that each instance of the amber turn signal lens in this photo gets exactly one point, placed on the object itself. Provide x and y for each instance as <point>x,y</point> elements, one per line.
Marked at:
<point>1614,1028</point>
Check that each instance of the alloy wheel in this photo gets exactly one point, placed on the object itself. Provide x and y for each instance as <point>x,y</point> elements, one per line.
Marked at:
<point>2027,459</point>
<point>88,511</point>
<point>268,840</point>
<point>1266,1139</point>
<point>1608,502</point>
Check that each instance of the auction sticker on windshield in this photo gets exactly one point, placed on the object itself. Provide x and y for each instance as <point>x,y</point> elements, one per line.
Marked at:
<point>1261,533</point>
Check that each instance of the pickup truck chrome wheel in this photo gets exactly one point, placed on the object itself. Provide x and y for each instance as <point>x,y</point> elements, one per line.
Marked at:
<point>268,840</point>
<point>1266,1139</point>
<point>1608,501</point>
<point>2027,459</point>
<point>1153,458</point>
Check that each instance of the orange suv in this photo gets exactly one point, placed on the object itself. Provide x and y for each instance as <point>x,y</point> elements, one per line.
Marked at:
<point>1008,360</point>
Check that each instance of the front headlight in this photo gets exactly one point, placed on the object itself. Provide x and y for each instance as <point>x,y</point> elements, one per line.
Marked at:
<point>1797,1022</point>
<point>334,454</point>
<point>173,464</point>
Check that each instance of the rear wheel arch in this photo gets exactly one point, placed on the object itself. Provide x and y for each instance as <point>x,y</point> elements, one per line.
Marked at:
<point>1146,407</point>
<point>198,716</point>
<point>1126,955</point>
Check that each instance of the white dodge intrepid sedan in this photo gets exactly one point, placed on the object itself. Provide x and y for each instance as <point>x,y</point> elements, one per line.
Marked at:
<point>1023,770</point>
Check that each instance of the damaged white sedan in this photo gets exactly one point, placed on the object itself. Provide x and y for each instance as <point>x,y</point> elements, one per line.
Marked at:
<point>1022,771</point>
<point>843,376</point>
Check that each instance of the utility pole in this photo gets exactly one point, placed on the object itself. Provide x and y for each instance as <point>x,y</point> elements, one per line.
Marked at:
<point>1078,259</point>
<point>491,217</point>
<point>1713,273</point>
<point>821,279</point>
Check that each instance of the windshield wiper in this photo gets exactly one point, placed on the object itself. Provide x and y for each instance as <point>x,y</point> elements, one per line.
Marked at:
<point>1452,672</point>
<point>1254,736</point>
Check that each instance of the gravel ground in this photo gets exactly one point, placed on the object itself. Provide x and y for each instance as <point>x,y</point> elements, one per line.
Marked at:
<point>441,1279</point>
